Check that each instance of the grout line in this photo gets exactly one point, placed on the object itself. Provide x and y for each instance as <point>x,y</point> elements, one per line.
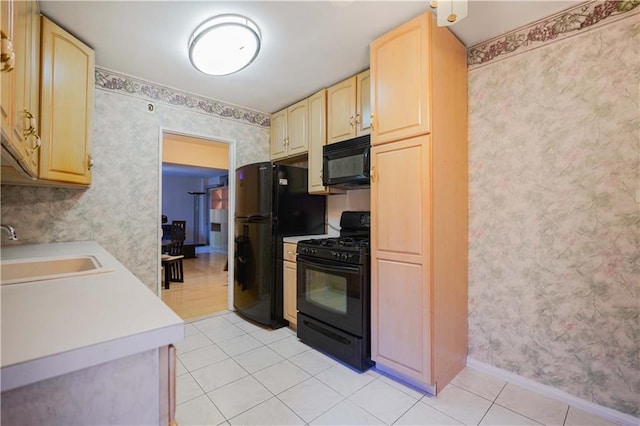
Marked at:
<point>288,358</point>
<point>501,390</point>
<point>405,412</point>
<point>485,413</point>
<point>564,422</point>
<point>254,406</point>
<point>446,414</point>
<point>518,413</point>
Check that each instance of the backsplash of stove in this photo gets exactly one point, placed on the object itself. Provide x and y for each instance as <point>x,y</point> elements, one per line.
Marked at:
<point>355,199</point>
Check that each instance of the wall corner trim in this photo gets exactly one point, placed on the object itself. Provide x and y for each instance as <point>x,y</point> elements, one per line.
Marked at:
<point>551,392</point>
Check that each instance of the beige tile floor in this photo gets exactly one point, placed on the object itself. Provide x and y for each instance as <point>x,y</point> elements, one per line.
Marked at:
<point>231,371</point>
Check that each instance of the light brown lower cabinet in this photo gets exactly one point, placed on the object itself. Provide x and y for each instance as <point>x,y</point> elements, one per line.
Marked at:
<point>290,292</point>
<point>418,270</point>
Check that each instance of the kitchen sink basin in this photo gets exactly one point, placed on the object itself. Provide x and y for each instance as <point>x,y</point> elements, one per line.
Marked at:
<point>49,268</point>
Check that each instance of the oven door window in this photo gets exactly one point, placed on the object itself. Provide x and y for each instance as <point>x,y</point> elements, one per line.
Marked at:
<point>327,291</point>
<point>331,292</point>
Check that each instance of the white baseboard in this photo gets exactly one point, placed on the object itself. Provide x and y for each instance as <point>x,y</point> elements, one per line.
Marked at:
<point>574,401</point>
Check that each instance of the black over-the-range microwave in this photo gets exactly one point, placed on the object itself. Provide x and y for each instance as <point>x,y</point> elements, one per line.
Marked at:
<point>346,164</point>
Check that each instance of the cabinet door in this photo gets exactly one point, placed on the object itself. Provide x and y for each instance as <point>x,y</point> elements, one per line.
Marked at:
<point>297,128</point>
<point>22,146</point>
<point>341,111</point>
<point>7,78</point>
<point>66,106</point>
<point>290,292</point>
<point>317,139</point>
<point>21,76</point>
<point>363,104</point>
<point>32,88</point>
<point>279,134</point>
<point>400,92</point>
<point>400,276</point>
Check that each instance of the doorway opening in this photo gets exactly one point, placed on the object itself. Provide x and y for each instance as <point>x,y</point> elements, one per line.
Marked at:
<point>195,192</point>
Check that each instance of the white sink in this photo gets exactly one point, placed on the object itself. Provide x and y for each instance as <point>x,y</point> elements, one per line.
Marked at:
<point>48,268</point>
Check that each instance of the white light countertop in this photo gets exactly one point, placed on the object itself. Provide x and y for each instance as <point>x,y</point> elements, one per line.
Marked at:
<point>304,237</point>
<point>58,326</point>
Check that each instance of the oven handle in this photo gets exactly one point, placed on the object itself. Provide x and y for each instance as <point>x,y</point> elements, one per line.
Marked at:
<point>328,265</point>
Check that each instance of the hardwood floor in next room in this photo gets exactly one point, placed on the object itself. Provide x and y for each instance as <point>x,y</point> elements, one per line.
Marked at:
<point>204,290</point>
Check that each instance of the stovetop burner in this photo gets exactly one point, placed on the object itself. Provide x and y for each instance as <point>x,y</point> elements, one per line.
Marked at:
<point>352,246</point>
<point>339,242</point>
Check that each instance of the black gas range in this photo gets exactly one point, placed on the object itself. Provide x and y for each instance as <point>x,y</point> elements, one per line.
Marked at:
<point>345,249</point>
<point>352,246</point>
<point>334,291</point>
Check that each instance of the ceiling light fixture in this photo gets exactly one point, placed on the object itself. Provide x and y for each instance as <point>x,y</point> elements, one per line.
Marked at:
<point>449,11</point>
<point>224,44</point>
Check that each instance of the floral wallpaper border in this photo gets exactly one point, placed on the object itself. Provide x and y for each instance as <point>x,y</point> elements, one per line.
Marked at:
<point>124,84</point>
<point>559,26</point>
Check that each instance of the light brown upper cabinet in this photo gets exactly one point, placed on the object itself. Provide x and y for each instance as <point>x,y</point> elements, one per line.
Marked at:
<point>66,106</point>
<point>419,204</point>
<point>53,78</point>
<point>289,131</point>
<point>20,86</point>
<point>317,139</point>
<point>348,108</point>
<point>279,134</point>
<point>400,90</point>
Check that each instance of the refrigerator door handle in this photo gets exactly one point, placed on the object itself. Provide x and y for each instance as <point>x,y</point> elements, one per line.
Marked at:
<point>257,218</point>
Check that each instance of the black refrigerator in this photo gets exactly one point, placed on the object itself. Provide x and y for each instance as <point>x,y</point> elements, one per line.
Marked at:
<point>272,202</point>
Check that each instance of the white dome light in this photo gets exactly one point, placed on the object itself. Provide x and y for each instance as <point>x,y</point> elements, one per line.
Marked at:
<point>224,44</point>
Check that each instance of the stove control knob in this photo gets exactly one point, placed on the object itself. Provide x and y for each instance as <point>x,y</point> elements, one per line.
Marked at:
<point>313,251</point>
<point>344,256</point>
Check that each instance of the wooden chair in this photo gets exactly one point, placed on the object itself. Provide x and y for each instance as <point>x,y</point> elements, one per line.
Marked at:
<point>178,230</point>
<point>172,264</point>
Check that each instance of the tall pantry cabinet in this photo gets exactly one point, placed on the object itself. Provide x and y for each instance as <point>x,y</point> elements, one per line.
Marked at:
<point>419,203</point>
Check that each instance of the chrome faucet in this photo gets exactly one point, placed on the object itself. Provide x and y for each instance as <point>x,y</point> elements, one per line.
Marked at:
<point>10,230</point>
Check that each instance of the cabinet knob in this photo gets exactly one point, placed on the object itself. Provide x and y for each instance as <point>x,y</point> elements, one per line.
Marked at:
<point>7,54</point>
<point>37,143</point>
<point>29,129</point>
<point>358,118</point>
<point>372,125</point>
<point>372,174</point>
<point>90,161</point>
<point>351,121</point>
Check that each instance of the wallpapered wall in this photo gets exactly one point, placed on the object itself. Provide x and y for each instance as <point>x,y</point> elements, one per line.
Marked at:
<point>554,161</point>
<point>120,210</point>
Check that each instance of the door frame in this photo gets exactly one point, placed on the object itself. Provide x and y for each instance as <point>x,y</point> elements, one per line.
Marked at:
<point>231,210</point>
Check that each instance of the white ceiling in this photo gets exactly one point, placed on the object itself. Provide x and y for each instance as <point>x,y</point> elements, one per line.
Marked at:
<point>306,45</point>
<point>181,170</point>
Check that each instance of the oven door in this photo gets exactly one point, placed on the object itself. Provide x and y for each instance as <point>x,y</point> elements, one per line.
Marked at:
<point>332,292</point>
